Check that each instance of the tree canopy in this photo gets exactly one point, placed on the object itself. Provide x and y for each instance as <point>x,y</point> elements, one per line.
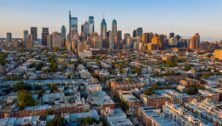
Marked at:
<point>58,120</point>
<point>24,98</point>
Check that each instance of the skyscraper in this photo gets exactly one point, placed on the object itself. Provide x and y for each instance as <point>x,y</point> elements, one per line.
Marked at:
<point>171,35</point>
<point>45,33</point>
<point>25,36</point>
<point>103,29</point>
<point>9,37</point>
<point>91,24</point>
<point>194,42</point>
<point>114,34</point>
<point>29,42</point>
<point>139,31</point>
<point>114,27</point>
<point>85,28</point>
<point>63,32</point>
<point>55,40</point>
<point>34,33</point>
<point>73,23</point>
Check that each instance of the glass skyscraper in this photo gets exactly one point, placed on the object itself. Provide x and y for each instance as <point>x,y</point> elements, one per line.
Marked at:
<point>34,33</point>
<point>91,24</point>
<point>103,29</point>
<point>63,32</point>
<point>73,23</point>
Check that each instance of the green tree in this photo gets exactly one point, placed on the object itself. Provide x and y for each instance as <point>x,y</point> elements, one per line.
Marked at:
<point>138,70</point>
<point>187,67</point>
<point>148,91</point>
<point>170,63</point>
<point>124,105</point>
<point>58,120</point>
<point>24,98</point>
<point>52,87</point>
<point>39,66</point>
<point>53,67</point>
<point>21,86</point>
<point>3,58</point>
<point>87,121</point>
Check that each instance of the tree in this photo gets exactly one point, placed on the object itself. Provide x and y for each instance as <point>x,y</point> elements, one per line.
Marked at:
<point>52,87</point>
<point>21,86</point>
<point>53,67</point>
<point>24,98</point>
<point>39,66</point>
<point>2,58</point>
<point>170,63</point>
<point>88,120</point>
<point>148,91</point>
<point>187,67</point>
<point>138,70</point>
<point>193,90</point>
<point>58,120</point>
<point>124,106</point>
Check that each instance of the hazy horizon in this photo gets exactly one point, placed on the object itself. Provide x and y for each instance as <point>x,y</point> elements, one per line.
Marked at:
<point>181,17</point>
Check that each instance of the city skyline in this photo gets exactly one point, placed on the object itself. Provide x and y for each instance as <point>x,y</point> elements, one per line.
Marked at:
<point>184,18</point>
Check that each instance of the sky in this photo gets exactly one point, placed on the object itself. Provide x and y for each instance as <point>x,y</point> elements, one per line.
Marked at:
<point>184,17</point>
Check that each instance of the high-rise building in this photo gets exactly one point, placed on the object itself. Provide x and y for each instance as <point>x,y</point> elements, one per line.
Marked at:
<point>29,42</point>
<point>73,23</point>
<point>171,35</point>
<point>139,31</point>
<point>34,33</point>
<point>111,39</point>
<point>103,29</point>
<point>145,38</point>
<point>114,27</point>
<point>85,28</point>
<point>25,36</point>
<point>8,37</point>
<point>114,34</point>
<point>45,33</point>
<point>194,42</point>
<point>63,32</point>
<point>91,24</point>
<point>134,33</point>
<point>55,40</point>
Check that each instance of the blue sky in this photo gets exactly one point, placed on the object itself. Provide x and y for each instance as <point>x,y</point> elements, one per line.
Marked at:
<point>184,17</point>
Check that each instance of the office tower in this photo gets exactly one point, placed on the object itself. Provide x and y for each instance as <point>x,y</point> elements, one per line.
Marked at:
<point>29,42</point>
<point>155,43</point>
<point>34,33</point>
<point>171,35</point>
<point>163,41</point>
<point>194,42</point>
<point>139,31</point>
<point>145,38</point>
<point>103,29</point>
<point>8,37</point>
<point>25,36</point>
<point>119,39</point>
<point>55,40</point>
<point>114,27</point>
<point>45,33</point>
<point>134,33</point>
<point>73,23</point>
<point>63,32</point>
<point>172,41</point>
<point>85,28</point>
<point>15,43</point>
<point>126,35</point>
<point>114,34</point>
<point>178,37</point>
<point>111,39</point>
<point>91,24</point>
